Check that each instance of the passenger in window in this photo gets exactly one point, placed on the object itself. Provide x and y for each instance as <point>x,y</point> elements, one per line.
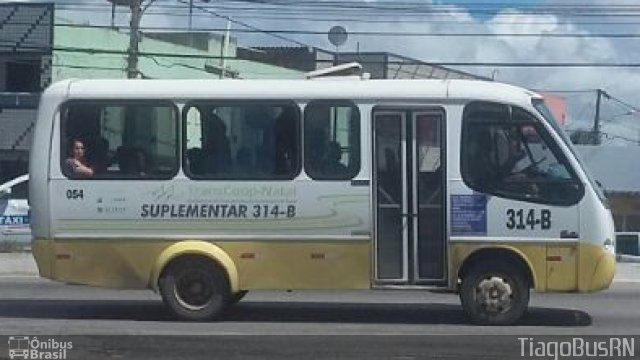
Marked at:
<point>219,147</point>
<point>285,140</point>
<point>317,143</point>
<point>333,166</point>
<point>140,162</point>
<point>77,163</point>
<point>265,152</point>
<point>119,157</point>
<point>480,164</point>
<point>132,161</point>
<point>100,156</point>
<point>196,160</point>
<point>244,161</point>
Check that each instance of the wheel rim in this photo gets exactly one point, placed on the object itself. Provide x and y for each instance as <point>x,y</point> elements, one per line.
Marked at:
<point>194,289</point>
<point>494,295</point>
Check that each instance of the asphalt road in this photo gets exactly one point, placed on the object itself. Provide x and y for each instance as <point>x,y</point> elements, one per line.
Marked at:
<point>306,324</point>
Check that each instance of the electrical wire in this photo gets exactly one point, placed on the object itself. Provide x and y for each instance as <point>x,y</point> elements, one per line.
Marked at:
<point>367,33</point>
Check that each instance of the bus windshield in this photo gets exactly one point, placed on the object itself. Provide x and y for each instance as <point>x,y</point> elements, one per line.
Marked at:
<point>542,108</point>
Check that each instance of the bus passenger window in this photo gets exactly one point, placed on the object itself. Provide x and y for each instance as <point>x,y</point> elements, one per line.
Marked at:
<point>241,140</point>
<point>508,153</point>
<point>332,140</point>
<point>122,139</point>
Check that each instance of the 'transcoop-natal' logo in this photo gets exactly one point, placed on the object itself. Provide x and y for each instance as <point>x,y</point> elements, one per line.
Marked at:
<point>32,348</point>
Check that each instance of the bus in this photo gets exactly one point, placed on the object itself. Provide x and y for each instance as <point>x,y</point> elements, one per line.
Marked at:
<point>202,190</point>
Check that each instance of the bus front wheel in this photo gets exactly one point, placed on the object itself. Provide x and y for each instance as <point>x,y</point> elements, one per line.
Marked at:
<point>194,288</point>
<point>494,295</point>
<point>235,298</point>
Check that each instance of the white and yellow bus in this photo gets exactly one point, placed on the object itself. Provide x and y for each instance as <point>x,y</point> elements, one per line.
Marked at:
<point>203,190</point>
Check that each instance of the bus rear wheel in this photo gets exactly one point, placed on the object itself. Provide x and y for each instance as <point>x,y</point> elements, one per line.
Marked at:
<point>194,288</point>
<point>494,295</point>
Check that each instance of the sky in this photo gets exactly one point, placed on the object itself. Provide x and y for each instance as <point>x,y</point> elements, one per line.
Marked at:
<point>496,18</point>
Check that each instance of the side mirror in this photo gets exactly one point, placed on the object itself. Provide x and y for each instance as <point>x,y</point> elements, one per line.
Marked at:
<point>4,193</point>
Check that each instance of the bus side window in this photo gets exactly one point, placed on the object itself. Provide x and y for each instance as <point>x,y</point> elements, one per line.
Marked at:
<point>122,139</point>
<point>243,140</point>
<point>332,140</point>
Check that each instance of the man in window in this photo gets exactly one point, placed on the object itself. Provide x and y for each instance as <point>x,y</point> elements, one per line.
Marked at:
<point>333,166</point>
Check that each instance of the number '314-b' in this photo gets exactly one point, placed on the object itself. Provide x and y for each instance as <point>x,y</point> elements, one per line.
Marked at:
<point>517,219</point>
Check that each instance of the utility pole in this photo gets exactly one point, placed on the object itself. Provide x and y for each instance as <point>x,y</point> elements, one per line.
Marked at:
<point>597,139</point>
<point>134,38</point>
<point>134,28</point>
<point>223,50</point>
<point>190,14</point>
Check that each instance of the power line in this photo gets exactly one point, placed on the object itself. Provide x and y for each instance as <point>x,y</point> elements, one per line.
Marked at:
<point>369,33</point>
<point>275,14</point>
<point>399,62</point>
<point>396,8</point>
<point>624,103</point>
<point>42,48</point>
<point>241,23</point>
<point>387,5</point>
<point>407,18</point>
<point>88,67</point>
<point>416,62</point>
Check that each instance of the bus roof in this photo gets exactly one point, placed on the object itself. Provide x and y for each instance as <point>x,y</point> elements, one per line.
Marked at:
<point>355,89</point>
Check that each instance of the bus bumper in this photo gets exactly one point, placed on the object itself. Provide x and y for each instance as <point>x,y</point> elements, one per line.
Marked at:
<point>597,268</point>
<point>43,253</point>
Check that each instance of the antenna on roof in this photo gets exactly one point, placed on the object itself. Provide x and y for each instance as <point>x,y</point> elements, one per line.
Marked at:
<point>337,36</point>
<point>352,69</point>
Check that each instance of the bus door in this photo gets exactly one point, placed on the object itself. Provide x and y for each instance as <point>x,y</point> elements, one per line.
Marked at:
<point>409,202</point>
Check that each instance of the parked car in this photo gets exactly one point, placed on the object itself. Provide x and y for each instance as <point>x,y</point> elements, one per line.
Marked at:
<point>14,211</point>
<point>628,243</point>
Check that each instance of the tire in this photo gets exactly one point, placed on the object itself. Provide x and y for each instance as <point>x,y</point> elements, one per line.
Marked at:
<point>493,294</point>
<point>235,298</point>
<point>194,289</point>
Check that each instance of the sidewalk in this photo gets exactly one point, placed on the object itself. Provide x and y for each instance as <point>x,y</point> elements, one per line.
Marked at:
<point>23,264</point>
<point>17,264</point>
<point>627,272</point>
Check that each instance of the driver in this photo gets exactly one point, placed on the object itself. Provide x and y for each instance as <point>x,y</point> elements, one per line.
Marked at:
<point>519,159</point>
<point>521,170</point>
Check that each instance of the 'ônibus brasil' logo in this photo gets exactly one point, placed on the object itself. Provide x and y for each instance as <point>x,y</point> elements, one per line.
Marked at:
<point>32,348</point>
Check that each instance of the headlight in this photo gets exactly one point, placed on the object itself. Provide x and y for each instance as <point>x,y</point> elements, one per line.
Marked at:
<point>610,246</point>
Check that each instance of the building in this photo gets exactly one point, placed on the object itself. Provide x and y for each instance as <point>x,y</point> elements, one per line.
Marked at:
<point>25,55</point>
<point>384,65</point>
<point>617,169</point>
<point>166,55</point>
<point>381,65</point>
<point>300,58</point>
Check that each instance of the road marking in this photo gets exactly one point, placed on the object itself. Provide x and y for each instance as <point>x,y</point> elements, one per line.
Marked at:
<point>11,276</point>
<point>626,280</point>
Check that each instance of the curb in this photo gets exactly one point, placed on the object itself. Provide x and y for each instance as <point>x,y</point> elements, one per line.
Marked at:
<point>623,258</point>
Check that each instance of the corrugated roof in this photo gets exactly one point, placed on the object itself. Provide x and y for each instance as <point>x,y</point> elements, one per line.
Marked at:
<point>17,128</point>
<point>26,27</point>
<point>616,167</point>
